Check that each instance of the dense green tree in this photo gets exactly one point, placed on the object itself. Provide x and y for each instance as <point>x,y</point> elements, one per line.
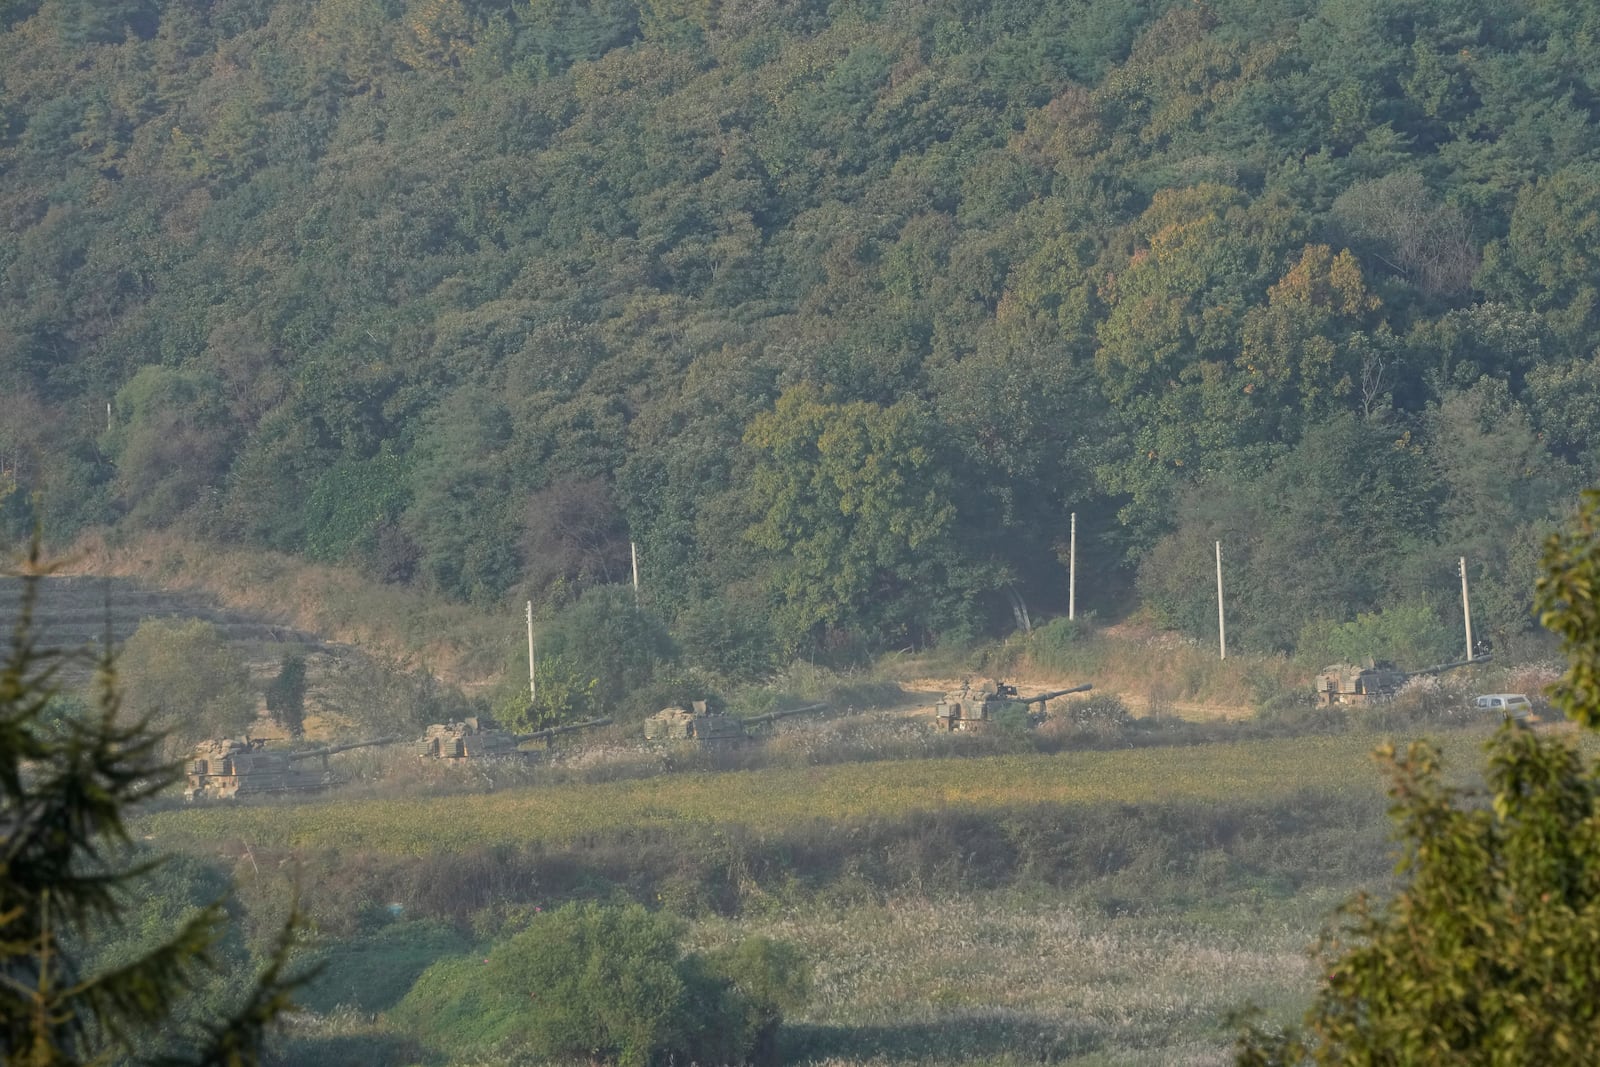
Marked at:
<point>562,694</point>
<point>461,518</point>
<point>1171,332</point>
<point>366,278</point>
<point>1550,256</point>
<point>1337,527</point>
<point>604,649</point>
<point>81,22</point>
<point>351,503</point>
<point>1411,635</point>
<point>1564,402</point>
<point>858,511</point>
<point>1501,492</point>
<point>1298,354</point>
<point>170,441</point>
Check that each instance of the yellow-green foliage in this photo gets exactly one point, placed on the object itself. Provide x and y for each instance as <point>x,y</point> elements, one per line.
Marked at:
<point>775,800</point>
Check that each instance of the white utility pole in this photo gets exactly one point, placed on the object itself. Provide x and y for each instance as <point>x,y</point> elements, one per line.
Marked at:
<point>1072,571</point>
<point>1222,625</point>
<point>1466,606</point>
<point>533,686</point>
<point>634,550</point>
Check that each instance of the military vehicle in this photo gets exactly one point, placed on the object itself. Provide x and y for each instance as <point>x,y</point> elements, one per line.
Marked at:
<point>226,768</point>
<point>1344,683</point>
<point>973,707</point>
<point>475,738</point>
<point>700,724</point>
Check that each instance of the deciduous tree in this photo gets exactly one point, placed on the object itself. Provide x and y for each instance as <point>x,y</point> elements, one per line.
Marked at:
<point>1490,952</point>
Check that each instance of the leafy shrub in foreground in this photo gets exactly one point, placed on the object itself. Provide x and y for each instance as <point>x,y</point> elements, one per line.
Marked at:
<point>612,985</point>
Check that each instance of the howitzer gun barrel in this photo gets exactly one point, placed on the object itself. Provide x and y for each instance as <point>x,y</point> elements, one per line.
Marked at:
<point>309,753</point>
<point>1042,697</point>
<point>772,716</point>
<point>1440,668</point>
<point>540,735</point>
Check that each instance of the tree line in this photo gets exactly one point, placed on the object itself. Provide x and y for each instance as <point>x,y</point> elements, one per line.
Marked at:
<point>836,311</point>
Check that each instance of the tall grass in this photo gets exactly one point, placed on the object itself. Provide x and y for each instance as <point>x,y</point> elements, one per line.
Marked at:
<point>991,979</point>
<point>983,978</point>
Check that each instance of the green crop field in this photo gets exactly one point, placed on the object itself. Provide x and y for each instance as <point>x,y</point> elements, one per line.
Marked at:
<point>774,800</point>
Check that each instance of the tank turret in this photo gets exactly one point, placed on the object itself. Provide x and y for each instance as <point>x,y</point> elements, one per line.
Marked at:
<point>975,705</point>
<point>470,738</point>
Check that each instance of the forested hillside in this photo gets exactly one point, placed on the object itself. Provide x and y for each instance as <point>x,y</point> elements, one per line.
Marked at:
<point>837,310</point>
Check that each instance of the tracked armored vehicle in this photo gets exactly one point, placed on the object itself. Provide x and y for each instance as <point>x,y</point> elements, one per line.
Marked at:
<point>226,768</point>
<point>975,705</point>
<point>1344,683</point>
<point>696,723</point>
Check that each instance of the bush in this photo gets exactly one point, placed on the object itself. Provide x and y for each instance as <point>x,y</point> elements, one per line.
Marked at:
<point>286,695</point>
<point>565,693</point>
<point>610,639</point>
<point>1409,634</point>
<point>1058,639</point>
<point>771,977</point>
<point>612,985</point>
<point>188,678</point>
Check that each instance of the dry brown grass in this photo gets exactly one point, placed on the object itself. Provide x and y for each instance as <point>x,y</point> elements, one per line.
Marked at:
<point>991,979</point>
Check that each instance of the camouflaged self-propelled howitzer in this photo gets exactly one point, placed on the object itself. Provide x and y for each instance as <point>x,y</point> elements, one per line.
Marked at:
<point>226,768</point>
<point>1345,683</point>
<point>475,738</point>
<point>696,723</point>
<point>974,706</point>
<point>699,724</point>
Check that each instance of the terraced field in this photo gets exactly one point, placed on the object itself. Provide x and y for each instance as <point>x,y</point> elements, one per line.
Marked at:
<point>76,612</point>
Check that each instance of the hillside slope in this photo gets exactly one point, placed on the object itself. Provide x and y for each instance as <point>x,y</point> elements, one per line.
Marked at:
<point>836,312</point>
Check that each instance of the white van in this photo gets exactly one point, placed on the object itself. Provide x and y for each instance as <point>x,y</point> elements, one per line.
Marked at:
<point>1512,705</point>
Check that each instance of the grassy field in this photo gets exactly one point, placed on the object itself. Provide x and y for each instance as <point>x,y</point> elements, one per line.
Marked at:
<point>995,979</point>
<point>774,800</point>
<point>1091,908</point>
<point>985,979</point>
